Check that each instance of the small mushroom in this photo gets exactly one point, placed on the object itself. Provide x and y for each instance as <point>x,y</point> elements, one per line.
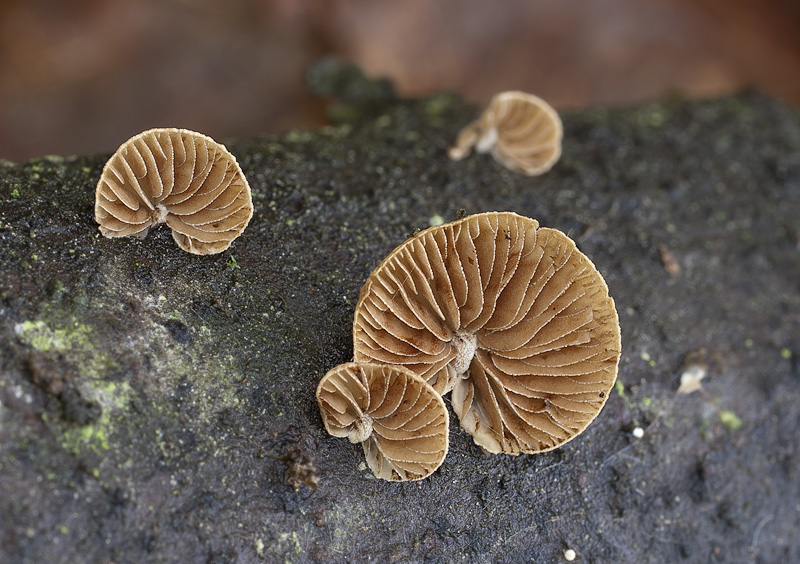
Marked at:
<point>178,177</point>
<point>400,420</point>
<point>521,131</point>
<point>510,317</point>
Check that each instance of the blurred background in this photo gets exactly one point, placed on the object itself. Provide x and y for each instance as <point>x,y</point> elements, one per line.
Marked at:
<point>82,76</point>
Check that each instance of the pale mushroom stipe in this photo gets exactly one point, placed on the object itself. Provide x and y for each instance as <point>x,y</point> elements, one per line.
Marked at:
<point>178,177</point>
<point>510,317</point>
<point>520,130</point>
<point>400,420</point>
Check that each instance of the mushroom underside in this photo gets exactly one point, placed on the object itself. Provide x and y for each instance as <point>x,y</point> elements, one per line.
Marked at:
<point>520,130</point>
<point>400,420</point>
<point>177,177</point>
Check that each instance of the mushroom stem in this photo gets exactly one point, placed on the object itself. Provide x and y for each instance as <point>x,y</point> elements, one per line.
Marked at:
<point>466,139</point>
<point>464,345</point>
<point>362,429</point>
<point>159,214</point>
<point>487,140</point>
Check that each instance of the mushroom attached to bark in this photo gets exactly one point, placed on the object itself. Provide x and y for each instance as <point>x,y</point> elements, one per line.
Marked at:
<point>510,317</point>
<point>178,177</point>
<point>521,131</point>
<point>400,420</point>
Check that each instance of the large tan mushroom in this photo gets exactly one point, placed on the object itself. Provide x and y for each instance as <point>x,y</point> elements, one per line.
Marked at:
<point>510,317</point>
<point>520,130</point>
<point>178,177</point>
<point>400,420</point>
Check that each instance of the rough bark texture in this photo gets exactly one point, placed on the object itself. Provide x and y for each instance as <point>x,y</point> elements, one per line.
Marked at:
<point>157,406</point>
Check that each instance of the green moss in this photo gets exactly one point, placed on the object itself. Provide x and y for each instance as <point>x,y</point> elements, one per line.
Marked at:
<point>108,440</point>
<point>112,397</point>
<point>74,339</point>
<point>337,131</point>
<point>383,121</point>
<point>286,542</point>
<point>730,420</point>
<point>297,136</point>
<point>653,116</point>
<point>93,436</point>
<point>44,338</point>
<point>232,263</point>
<point>346,521</point>
<point>438,104</point>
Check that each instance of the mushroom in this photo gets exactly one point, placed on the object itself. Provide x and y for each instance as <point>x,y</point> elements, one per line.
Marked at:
<point>401,421</point>
<point>510,317</point>
<point>522,131</point>
<point>178,177</point>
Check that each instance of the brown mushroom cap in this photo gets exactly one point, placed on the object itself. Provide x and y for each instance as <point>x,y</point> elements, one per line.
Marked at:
<point>176,176</point>
<point>511,317</point>
<point>401,421</point>
<point>522,131</point>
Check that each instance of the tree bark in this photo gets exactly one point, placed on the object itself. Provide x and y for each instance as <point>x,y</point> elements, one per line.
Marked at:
<point>157,406</point>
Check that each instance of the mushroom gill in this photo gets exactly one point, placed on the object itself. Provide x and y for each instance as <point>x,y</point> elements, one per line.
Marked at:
<point>400,420</point>
<point>178,177</point>
<point>520,130</point>
<point>510,317</point>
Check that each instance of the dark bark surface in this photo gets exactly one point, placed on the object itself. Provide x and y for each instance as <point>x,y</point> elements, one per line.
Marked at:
<point>156,406</point>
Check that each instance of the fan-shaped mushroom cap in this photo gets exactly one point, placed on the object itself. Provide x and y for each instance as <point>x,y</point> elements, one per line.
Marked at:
<point>401,421</point>
<point>522,131</point>
<point>176,176</point>
<point>511,317</point>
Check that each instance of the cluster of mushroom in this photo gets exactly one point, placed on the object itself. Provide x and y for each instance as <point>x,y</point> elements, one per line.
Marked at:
<point>194,184</point>
<point>509,318</point>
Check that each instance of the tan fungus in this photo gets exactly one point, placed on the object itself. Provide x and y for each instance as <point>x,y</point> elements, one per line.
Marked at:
<point>510,317</point>
<point>400,420</point>
<point>521,131</point>
<point>178,177</point>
